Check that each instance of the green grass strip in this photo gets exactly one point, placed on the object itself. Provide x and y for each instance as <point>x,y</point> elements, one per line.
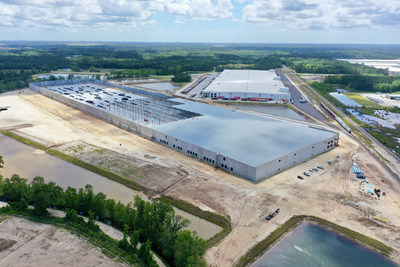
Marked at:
<point>180,204</point>
<point>260,248</point>
<point>355,236</point>
<point>112,176</point>
<point>209,216</point>
<point>24,140</point>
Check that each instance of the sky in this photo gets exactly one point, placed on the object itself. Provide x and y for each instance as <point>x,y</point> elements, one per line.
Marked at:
<point>215,21</point>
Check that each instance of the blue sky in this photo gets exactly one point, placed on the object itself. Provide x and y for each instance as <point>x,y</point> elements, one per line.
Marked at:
<point>240,21</point>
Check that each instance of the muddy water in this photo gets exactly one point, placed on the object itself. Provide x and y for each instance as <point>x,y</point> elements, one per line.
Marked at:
<point>312,245</point>
<point>29,162</point>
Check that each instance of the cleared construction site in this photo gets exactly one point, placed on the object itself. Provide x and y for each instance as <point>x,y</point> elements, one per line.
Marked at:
<point>333,193</point>
<point>248,145</point>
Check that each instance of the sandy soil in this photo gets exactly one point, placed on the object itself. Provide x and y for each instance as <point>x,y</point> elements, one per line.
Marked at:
<point>26,243</point>
<point>105,228</point>
<point>331,194</point>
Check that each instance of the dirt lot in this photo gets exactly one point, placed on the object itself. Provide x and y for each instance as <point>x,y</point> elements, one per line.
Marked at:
<point>333,193</point>
<point>26,243</point>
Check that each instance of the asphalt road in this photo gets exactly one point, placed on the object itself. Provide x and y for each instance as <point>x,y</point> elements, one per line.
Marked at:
<point>393,162</point>
<point>201,86</point>
<point>296,96</point>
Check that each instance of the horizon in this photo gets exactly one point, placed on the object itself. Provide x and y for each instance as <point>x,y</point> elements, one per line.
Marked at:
<point>186,42</point>
<point>202,21</point>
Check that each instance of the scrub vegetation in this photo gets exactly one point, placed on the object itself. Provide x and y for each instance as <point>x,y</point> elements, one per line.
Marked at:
<point>209,216</point>
<point>180,204</point>
<point>153,224</point>
<point>356,84</point>
<point>101,171</point>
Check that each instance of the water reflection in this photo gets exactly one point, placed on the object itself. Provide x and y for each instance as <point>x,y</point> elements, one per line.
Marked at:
<point>29,163</point>
<point>312,245</point>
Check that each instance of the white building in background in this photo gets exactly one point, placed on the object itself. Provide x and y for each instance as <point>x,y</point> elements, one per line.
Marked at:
<point>245,144</point>
<point>248,84</point>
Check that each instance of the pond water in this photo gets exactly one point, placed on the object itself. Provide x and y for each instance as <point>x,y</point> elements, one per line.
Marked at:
<point>29,162</point>
<point>159,86</point>
<point>312,245</point>
<point>280,111</point>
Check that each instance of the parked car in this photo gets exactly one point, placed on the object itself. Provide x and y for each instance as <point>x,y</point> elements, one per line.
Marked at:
<point>300,177</point>
<point>306,173</point>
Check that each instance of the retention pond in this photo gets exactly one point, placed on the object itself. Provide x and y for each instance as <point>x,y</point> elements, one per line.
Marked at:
<point>311,245</point>
<point>29,162</point>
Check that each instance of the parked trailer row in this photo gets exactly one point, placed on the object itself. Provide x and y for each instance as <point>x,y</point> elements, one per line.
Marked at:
<point>347,128</point>
<point>188,89</point>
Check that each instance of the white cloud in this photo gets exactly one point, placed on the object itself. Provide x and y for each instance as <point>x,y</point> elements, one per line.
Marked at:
<point>68,14</point>
<point>316,14</point>
<point>105,14</point>
<point>199,9</point>
<point>122,15</point>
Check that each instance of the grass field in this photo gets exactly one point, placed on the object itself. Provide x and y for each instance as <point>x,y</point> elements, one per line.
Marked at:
<point>362,100</point>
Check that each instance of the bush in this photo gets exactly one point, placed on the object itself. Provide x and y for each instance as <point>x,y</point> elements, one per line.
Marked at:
<point>181,77</point>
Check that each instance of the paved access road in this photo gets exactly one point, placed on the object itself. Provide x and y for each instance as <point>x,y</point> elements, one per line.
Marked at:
<point>392,161</point>
<point>203,85</point>
<point>297,95</point>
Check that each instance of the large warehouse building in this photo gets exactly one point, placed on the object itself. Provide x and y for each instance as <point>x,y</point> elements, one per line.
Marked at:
<point>241,84</point>
<point>216,135</point>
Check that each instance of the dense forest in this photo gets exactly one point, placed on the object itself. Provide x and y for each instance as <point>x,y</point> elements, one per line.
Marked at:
<point>366,83</point>
<point>154,224</point>
<point>20,60</point>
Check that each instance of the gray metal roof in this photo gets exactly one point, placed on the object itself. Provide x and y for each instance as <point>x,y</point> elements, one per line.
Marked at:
<point>245,137</point>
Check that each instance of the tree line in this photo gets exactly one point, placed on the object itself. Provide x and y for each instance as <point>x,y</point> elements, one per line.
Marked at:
<point>366,83</point>
<point>330,66</point>
<point>142,60</point>
<point>154,223</point>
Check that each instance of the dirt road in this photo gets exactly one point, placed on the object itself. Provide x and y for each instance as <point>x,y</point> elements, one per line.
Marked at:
<point>331,193</point>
